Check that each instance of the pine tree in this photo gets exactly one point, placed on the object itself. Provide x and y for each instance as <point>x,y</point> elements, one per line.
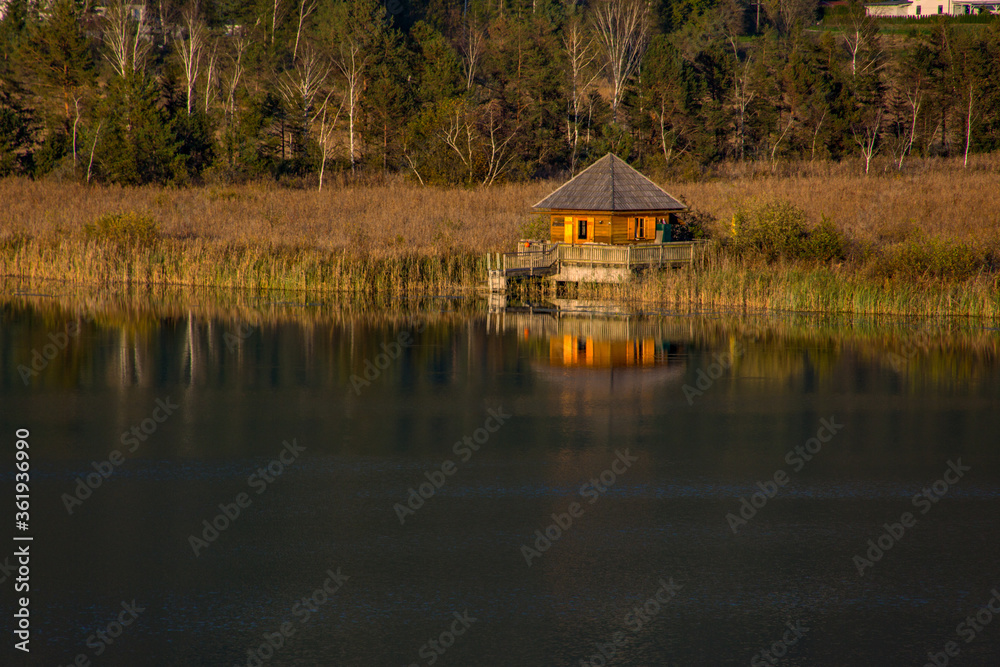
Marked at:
<point>137,144</point>
<point>387,98</point>
<point>59,55</point>
<point>17,129</point>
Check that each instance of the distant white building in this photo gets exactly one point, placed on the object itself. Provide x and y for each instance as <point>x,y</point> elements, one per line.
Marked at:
<point>920,8</point>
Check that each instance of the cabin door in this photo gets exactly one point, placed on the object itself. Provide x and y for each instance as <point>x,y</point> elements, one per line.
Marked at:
<point>568,227</point>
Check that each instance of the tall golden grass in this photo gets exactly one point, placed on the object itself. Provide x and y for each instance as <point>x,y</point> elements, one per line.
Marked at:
<point>730,284</point>
<point>394,219</point>
<point>398,236</point>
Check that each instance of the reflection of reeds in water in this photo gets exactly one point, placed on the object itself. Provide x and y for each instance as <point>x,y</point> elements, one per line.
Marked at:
<point>139,309</point>
<point>944,352</point>
<point>774,348</point>
<point>131,337</point>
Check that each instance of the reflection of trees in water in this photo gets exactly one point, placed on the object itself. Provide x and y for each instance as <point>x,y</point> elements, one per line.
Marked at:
<point>137,340</point>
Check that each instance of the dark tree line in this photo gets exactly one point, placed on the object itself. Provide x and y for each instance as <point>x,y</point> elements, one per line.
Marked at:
<point>450,91</point>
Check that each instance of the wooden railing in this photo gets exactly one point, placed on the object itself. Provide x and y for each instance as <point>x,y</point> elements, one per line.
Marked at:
<point>540,262</point>
<point>663,253</point>
<point>530,261</point>
<point>594,254</point>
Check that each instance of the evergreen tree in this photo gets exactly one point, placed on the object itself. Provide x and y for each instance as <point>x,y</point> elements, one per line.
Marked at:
<point>59,54</point>
<point>387,98</point>
<point>17,129</point>
<point>137,144</point>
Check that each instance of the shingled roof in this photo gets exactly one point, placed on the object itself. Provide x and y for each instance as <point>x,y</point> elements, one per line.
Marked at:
<point>610,184</point>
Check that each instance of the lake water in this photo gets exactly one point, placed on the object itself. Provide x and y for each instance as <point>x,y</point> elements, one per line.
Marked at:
<point>385,470</point>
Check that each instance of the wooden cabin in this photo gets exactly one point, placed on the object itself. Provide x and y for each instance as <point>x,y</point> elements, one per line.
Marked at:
<point>610,202</point>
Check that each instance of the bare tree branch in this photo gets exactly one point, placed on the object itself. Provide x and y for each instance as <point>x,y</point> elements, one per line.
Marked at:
<point>191,50</point>
<point>622,27</point>
<point>306,7</point>
<point>124,35</point>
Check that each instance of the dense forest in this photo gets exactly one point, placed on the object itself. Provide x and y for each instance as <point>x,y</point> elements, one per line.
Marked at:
<point>478,91</point>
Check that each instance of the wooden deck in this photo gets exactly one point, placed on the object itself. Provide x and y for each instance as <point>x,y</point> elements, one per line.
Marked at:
<point>587,262</point>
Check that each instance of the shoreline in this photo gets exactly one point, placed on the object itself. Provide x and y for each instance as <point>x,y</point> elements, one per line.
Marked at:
<point>742,286</point>
<point>926,244</point>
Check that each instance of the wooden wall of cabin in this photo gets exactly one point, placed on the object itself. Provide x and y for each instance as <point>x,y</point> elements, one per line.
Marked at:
<point>624,228</point>
<point>615,229</point>
<point>556,227</point>
<point>620,229</point>
<point>598,228</point>
<point>602,229</point>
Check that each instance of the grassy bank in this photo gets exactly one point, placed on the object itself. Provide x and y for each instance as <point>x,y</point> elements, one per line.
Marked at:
<point>729,284</point>
<point>921,242</point>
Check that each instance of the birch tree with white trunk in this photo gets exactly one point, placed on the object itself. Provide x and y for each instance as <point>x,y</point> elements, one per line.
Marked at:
<point>472,51</point>
<point>866,137</point>
<point>352,61</point>
<point>300,87</point>
<point>580,53</point>
<point>357,28</point>
<point>306,7</point>
<point>123,37</point>
<point>210,75</point>
<point>622,28</point>
<point>191,51</point>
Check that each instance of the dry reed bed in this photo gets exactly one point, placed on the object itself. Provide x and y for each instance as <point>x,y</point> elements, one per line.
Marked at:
<point>399,237</point>
<point>398,217</point>
<point>232,266</point>
<point>811,289</point>
<point>944,201</point>
<point>390,220</point>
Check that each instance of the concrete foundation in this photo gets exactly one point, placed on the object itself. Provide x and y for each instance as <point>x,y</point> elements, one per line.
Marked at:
<point>570,273</point>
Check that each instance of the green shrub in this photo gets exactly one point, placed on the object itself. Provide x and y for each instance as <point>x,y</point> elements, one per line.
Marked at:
<point>824,242</point>
<point>932,257</point>
<point>941,258</point>
<point>126,229</point>
<point>536,228</point>
<point>777,228</point>
<point>772,229</point>
<point>694,224</point>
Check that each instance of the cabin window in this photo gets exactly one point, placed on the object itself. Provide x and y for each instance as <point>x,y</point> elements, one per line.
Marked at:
<point>582,229</point>
<point>940,9</point>
<point>640,228</point>
<point>918,10</point>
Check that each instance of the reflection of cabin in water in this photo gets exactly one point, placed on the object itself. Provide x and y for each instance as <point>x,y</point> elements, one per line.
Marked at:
<point>593,360</point>
<point>587,342</point>
<point>588,349</point>
<point>610,202</point>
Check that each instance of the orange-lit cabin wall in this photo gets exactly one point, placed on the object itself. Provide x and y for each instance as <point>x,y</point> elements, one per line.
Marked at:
<point>606,228</point>
<point>597,227</point>
<point>635,228</point>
